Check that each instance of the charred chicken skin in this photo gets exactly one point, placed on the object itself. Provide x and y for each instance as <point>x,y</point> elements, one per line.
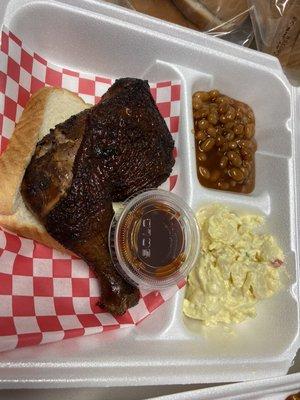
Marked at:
<point>103,155</point>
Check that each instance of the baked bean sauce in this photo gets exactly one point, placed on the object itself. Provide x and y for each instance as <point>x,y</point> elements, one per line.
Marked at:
<point>225,146</point>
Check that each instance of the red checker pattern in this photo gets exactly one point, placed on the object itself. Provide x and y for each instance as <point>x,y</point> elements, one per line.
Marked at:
<point>80,287</point>
<point>29,339</point>
<point>64,305</point>
<point>87,86</point>
<point>26,61</point>
<point>175,92</point>
<point>23,96</point>
<point>41,251</point>
<point>7,326</point>
<point>88,320</point>
<point>15,39</point>
<point>36,84</point>
<point>174,124</point>
<point>125,319</point>
<point>10,107</point>
<point>42,286</point>
<point>59,298</point>
<point>62,268</point>
<point>94,305</point>
<point>49,323</point>
<point>164,84</point>
<point>153,300</point>
<point>5,284</point>
<point>71,73</point>
<point>13,242</point>
<point>173,180</point>
<point>23,306</point>
<point>13,69</point>
<point>4,42</point>
<point>70,333</point>
<point>23,266</point>
<point>3,79</point>
<point>165,109</point>
<point>53,78</point>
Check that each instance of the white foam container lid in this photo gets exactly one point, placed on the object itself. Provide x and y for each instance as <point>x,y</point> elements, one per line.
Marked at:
<point>266,389</point>
<point>97,37</point>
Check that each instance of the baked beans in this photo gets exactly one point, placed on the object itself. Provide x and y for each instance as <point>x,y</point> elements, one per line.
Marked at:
<point>225,144</point>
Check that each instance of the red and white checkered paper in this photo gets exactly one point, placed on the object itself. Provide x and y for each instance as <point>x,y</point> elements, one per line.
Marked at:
<point>45,295</point>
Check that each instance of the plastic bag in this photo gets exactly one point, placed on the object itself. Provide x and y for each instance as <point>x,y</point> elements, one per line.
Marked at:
<point>228,19</point>
<point>277,31</point>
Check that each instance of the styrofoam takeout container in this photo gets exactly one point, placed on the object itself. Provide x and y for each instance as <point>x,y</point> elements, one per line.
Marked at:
<point>278,388</point>
<point>166,348</point>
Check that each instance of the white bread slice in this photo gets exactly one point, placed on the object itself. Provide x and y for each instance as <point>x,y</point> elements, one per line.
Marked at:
<point>46,108</point>
<point>24,223</point>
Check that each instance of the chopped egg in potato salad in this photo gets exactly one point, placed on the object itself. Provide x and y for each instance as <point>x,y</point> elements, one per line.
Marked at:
<point>237,268</point>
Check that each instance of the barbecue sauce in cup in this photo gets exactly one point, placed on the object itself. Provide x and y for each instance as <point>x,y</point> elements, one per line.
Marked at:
<point>154,242</point>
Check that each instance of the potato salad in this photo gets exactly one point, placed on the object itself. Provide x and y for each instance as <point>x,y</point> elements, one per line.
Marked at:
<point>237,268</point>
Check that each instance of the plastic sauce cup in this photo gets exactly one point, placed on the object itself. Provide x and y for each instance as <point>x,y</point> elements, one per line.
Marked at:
<point>154,240</point>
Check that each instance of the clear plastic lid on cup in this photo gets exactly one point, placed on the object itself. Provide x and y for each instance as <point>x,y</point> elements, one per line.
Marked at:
<point>154,240</point>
